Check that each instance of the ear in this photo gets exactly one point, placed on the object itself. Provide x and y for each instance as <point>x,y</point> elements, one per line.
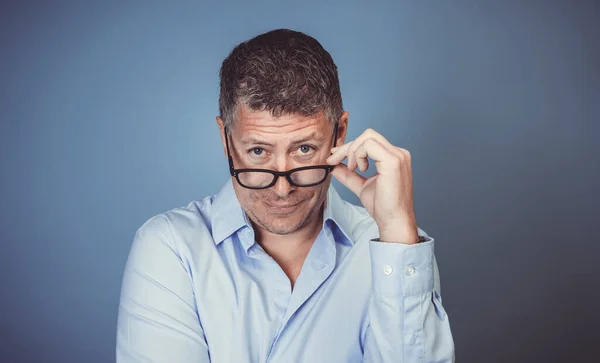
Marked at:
<point>342,128</point>
<point>221,126</point>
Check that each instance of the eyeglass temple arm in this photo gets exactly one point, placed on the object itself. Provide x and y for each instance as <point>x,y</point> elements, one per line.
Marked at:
<point>229,158</point>
<point>335,133</point>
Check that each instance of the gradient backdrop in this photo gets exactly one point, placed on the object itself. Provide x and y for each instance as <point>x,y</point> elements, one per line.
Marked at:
<point>107,118</point>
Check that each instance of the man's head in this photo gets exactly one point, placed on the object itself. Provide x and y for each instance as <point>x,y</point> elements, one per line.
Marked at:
<point>279,101</point>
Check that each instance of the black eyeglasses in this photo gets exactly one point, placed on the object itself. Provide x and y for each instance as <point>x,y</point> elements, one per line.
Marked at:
<point>306,176</point>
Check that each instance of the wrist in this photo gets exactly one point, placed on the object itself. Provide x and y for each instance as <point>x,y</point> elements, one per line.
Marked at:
<point>406,236</point>
<point>400,229</point>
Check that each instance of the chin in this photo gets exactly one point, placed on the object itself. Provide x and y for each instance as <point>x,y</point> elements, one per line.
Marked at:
<point>280,230</point>
<point>282,224</point>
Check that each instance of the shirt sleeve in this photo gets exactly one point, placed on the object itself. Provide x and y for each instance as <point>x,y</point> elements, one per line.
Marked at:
<point>157,319</point>
<point>407,322</point>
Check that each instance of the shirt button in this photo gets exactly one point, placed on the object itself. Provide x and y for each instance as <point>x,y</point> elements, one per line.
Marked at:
<point>410,270</point>
<point>387,270</point>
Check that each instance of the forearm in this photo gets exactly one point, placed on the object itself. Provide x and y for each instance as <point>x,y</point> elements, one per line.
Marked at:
<point>407,320</point>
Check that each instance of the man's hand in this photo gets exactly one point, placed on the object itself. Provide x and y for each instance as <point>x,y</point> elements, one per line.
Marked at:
<point>387,195</point>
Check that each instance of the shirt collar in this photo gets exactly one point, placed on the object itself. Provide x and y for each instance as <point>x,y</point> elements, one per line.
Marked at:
<point>229,217</point>
<point>335,211</point>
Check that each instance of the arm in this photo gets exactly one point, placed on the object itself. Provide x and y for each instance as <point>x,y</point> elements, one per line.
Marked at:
<point>407,320</point>
<point>157,319</point>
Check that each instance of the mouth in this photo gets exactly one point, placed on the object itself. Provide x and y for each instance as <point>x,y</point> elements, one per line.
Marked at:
<point>282,208</point>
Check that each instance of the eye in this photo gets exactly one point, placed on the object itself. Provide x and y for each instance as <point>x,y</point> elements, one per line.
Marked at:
<point>257,151</point>
<point>305,149</point>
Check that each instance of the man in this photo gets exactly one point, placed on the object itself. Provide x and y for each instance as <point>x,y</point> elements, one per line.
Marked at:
<point>277,267</point>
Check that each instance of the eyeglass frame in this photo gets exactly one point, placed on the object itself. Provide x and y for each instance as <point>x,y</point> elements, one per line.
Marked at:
<point>277,174</point>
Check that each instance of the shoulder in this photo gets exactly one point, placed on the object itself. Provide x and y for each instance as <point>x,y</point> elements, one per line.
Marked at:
<point>182,229</point>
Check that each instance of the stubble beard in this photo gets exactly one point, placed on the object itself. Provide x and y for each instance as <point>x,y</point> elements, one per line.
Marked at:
<point>280,229</point>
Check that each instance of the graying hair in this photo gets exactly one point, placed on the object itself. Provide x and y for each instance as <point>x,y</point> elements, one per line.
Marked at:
<point>283,72</point>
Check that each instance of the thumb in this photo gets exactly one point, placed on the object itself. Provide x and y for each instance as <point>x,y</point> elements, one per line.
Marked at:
<point>350,179</point>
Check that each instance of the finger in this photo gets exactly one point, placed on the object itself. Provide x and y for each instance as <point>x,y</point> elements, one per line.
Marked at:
<point>350,157</point>
<point>384,159</point>
<point>339,154</point>
<point>350,179</point>
<point>363,164</point>
<point>372,134</point>
<point>355,144</point>
<point>354,161</point>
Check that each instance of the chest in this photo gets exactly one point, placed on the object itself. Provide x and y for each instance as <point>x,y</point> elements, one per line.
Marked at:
<point>250,313</point>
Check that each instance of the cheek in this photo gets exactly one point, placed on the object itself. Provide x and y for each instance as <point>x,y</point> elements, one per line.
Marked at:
<point>254,198</point>
<point>313,196</point>
<point>248,198</point>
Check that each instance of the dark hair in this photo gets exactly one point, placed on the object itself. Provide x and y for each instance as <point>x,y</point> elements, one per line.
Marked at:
<point>281,71</point>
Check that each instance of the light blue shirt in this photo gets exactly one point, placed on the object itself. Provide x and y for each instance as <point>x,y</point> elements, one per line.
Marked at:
<point>198,288</point>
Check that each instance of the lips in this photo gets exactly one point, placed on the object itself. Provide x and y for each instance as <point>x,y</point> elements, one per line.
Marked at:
<point>282,208</point>
<point>281,205</point>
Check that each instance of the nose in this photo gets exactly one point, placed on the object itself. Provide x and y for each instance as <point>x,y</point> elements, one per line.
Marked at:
<point>282,186</point>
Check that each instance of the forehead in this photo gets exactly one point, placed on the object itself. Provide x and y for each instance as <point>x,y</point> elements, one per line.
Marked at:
<point>263,122</point>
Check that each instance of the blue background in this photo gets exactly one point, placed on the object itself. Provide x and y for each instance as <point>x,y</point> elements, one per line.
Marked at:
<point>107,118</point>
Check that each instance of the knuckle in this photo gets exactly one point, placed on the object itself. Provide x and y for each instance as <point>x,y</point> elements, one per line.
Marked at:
<point>397,161</point>
<point>405,153</point>
<point>370,142</point>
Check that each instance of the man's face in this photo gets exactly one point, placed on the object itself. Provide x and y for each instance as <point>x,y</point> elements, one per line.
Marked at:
<point>261,141</point>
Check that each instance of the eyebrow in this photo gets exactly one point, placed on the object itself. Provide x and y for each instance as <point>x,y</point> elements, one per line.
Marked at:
<point>254,141</point>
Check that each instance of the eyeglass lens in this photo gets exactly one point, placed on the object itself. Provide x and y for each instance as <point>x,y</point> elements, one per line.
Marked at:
<point>257,179</point>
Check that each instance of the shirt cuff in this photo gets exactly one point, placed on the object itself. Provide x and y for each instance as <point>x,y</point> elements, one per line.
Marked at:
<point>400,269</point>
